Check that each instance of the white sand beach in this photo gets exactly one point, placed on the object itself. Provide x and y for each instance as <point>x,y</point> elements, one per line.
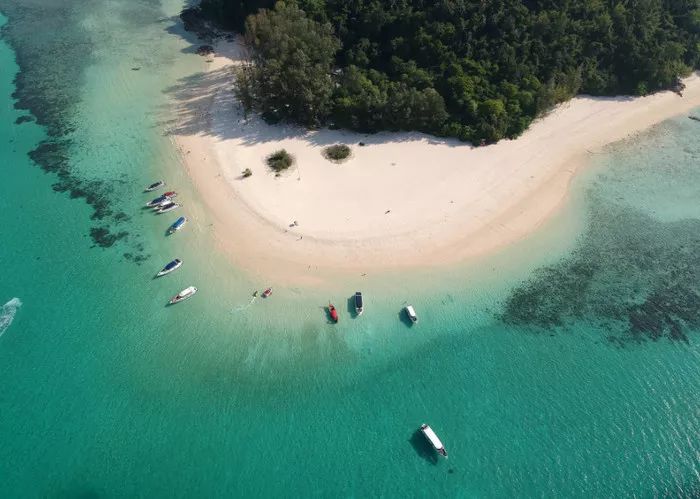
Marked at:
<point>402,199</point>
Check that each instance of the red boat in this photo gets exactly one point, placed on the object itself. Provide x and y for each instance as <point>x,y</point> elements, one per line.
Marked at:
<point>170,194</point>
<point>333,312</point>
<point>267,292</point>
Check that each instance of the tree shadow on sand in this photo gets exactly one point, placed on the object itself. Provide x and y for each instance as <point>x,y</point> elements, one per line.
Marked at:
<point>224,118</point>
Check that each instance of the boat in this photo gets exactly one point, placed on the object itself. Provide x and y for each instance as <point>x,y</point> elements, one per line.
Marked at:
<point>174,265</point>
<point>255,293</point>
<point>154,186</point>
<point>334,313</point>
<point>162,202</point>
<point>411,313</point>
<point>358,303</point>
<point>183,295</point>
<point>167,207</point>
<point>157,201</point>
<point>267,292</point>
<point>170,194</point>
<point>177,225</point>
<point>433,439</point>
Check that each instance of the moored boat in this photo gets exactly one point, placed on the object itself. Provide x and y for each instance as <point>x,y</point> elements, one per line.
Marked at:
<point>157,201</point>
<point>333,312</point>
<point>154,186</point>
<point>162,202</point>
<point>433,439</point>
<point>411,313</point>
<point>177,225</point>
<point>170,267</point>
<point>183,295</point>
<point>170,194</point>
<point>359,305</point>
<point>167,207</point>
<point>267,292</point>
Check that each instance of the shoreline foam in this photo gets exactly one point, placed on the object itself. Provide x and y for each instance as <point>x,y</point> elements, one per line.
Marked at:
<point>402,200</point>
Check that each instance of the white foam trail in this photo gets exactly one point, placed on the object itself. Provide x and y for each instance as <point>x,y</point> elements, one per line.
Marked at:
<point>7,313</point>
<point>241,308</point>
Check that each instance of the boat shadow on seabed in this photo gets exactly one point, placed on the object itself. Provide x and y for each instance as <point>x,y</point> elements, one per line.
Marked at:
<point>423,447</point>
<point>351,307</point>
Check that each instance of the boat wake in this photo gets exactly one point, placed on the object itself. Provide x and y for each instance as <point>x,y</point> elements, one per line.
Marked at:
<point>7,313</point>
<point>242,308</point>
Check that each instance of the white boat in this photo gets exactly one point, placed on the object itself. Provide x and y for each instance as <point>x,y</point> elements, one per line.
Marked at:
<point>170,267</point>
<point>167,207</point>
<point>166,200</point>
<point>433,439</point>
<point>359,306</point>
<point>154,203</point>
<point>154,186</point>
<point>183,295</point>
<point>411,313</point>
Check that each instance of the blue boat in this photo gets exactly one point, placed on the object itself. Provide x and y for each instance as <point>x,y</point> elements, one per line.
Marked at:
<point>157,201</point>
<point>174,265</point>
<point>177,225</point>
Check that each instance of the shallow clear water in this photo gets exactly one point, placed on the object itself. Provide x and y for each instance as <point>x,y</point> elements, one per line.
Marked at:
<point>565,366</point>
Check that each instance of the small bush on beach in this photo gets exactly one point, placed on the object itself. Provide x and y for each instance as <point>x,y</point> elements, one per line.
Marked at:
<point>337,152</point>
<point>247,173</point>
<point>280,160</point>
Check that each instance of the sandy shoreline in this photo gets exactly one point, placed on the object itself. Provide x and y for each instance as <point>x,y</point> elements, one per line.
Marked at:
<point>404,199</point>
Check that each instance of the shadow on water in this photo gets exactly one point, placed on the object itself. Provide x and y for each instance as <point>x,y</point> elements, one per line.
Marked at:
<point>327,314</point>
<point>403,317</point>
<point>351,307</point>
<point>423,447</point>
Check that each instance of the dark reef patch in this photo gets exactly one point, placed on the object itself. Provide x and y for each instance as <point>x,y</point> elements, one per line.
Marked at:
<point>632,276</point>
<point>104,238</point>
<point>52,50</point>
<point>23,119</point>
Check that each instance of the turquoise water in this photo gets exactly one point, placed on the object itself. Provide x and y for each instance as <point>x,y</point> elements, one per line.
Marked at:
<point>566,366</point>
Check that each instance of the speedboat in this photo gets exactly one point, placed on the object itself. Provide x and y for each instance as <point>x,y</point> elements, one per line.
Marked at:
<point>177,225</point>
<point>433,439</point>
<point>157,201</point>
<point>267,292</point>
<point>167,207</point>
<point>174,265</point>
<point>359,308</point>
<point>334,313</point>
<point>183,295</point>
<point>162,202</point>
<point>411,313</point>
<point>154,186</point>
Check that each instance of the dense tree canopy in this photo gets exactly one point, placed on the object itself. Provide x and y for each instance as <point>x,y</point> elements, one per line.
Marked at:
<point>290,75</point>
<point>464,68</point>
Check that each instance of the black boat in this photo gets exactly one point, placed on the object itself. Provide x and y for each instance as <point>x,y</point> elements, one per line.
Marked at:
<point>154,186</point>
<point>358,303</point>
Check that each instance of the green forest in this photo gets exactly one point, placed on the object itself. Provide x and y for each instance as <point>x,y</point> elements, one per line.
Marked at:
<point>476,70</point>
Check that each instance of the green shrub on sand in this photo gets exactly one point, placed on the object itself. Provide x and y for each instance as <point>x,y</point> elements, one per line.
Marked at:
<point>337,153</point>
<point>280,160</point>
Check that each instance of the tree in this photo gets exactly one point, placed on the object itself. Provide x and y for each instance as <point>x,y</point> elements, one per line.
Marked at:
<point>476,70</point>
<point>292,56</point>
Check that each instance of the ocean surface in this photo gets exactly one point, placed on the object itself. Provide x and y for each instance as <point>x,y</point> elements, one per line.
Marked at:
<point>566,366</point>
